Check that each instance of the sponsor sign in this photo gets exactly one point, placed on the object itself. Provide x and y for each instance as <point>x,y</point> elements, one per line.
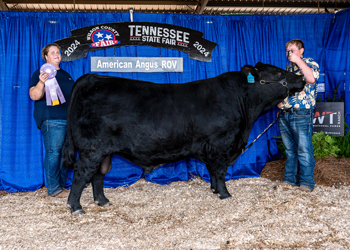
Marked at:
<point>136,64</point>
<point>329,118</point>
<point>321,87</point>
<point>321,84</point>
<point>102,36</point>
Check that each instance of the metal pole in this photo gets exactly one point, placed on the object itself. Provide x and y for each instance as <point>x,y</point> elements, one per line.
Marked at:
<point>131,14</point>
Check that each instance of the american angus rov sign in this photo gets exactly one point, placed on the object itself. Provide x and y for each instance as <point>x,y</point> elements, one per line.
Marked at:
<point>136,64</point>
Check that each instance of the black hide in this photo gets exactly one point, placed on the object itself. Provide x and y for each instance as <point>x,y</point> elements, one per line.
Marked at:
<point>151,124</point>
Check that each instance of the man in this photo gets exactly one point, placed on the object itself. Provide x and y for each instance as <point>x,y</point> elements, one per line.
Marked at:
<point>295,120</point>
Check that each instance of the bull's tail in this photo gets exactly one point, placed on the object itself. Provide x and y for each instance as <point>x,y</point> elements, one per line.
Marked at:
<point>69,152</point>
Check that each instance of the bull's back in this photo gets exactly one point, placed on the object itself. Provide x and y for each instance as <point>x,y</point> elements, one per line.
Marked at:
<point>120,97</point>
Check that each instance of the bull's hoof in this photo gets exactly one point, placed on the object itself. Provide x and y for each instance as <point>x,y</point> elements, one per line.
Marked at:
<point>78,211</point>
<point>214,191</point>
<point>106,204</point>
<point>225,196</point>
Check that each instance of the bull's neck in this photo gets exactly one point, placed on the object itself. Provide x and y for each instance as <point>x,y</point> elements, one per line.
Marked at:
<point>267,96</point>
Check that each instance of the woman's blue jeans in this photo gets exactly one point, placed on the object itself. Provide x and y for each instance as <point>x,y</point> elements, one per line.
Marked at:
<point>296,131</point>
<point>54,134</point>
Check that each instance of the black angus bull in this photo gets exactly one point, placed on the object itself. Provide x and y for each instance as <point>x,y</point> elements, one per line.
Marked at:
<point>152,124</point>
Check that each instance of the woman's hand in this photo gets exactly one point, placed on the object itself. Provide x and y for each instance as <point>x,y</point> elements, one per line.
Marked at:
<point>43,77</point>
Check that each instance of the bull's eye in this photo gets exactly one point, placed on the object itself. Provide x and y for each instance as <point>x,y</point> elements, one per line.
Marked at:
<point>277,74</point>
<point>262,81</point>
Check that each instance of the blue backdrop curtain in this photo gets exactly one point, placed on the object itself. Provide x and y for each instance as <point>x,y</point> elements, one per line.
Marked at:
<point>337,61</point>
<point>241,40</point>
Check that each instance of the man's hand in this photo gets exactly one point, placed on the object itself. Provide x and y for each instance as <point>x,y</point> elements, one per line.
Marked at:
<point>293,57</point>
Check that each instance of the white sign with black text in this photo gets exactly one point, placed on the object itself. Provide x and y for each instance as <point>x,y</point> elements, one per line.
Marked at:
<point>136,64</point>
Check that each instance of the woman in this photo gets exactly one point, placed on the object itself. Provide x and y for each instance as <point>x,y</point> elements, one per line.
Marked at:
<point>52,120</point>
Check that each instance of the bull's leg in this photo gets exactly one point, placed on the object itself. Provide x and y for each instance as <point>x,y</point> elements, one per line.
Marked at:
<point>220,173</point>
<point>83,172</point>
<point>212,179</point>
<point>97,187</point>
<point>78,185</point>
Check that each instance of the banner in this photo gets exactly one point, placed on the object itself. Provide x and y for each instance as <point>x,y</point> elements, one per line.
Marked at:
<point>160,35</point>
<point>329,118</point>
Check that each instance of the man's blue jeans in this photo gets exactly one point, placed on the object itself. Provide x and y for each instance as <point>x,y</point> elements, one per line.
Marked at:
<point>54,134</point>
<point>296,130</point>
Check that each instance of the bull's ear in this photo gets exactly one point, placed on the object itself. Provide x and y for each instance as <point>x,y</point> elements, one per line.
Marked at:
<point>258,65</point>
<point>246,69</point>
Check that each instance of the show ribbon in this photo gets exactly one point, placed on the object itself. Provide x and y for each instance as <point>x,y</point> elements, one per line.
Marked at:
<point>52,89</point>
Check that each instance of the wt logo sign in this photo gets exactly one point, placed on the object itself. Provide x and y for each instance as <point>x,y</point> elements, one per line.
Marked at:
<point>329,118</point>
<point>319,118</point>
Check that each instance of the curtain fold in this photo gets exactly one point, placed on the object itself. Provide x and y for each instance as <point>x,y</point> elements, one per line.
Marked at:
<point>242,39</point>
<point>3,25</point>
<point>337,61</point>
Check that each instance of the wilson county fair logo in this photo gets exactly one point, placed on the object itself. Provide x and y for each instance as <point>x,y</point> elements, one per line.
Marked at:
<point>108,35</point>
<point>103,38</point>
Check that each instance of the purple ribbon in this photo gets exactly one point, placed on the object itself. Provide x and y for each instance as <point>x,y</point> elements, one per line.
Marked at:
<point>52,89</point>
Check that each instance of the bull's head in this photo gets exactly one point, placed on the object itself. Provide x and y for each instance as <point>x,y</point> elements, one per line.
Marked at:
<point>267,74</point>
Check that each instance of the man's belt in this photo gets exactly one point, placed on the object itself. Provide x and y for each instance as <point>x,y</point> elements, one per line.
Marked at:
<point>290,110</point>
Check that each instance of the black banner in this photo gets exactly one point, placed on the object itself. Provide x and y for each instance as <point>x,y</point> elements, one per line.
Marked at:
<point>329,118</point>
<point>102,36</point>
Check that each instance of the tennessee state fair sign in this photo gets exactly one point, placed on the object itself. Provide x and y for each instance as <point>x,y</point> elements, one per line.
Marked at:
<point>110,35</point>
